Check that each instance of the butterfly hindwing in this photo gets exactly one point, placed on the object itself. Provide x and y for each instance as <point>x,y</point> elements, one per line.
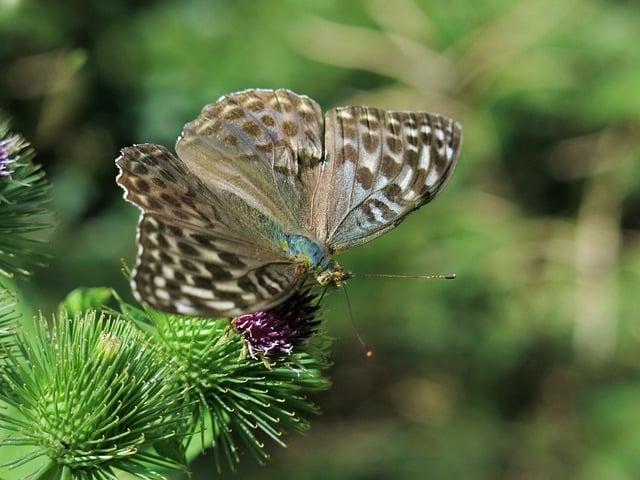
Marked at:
<point>385,165</point>
<point>189,272</point>
<point>196,256</point>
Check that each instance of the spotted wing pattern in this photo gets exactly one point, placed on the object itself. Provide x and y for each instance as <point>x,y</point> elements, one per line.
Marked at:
<point>261,145</point>
<point>379,166</point>
<point>200,252</point>
<point>258,164</point>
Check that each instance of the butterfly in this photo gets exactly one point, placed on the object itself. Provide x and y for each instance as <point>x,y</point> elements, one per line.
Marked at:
<point>264,191</point>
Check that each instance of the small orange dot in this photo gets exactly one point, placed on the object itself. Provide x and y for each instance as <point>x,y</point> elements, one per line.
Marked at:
<point>369,354</point>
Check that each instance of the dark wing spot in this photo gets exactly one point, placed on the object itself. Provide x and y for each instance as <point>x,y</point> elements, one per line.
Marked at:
<point>189,266</point>
<point>141,185</point>
<point>268,120</point>
<point>165,258</point>
<point>350,153</point>
<point>217,272</point>
<point>370,142</point>
<point>171,200</point>
<point>413,140</point>
<point>364,178</point>
<point>176,231</point>
<point>203,240</point>
<point>234,114</point>
<point>289,128</point>
<point>393,192</point>
<point>255,106</point>
<point>231,259</point>
<point>247,285</point>
<point>230,141</point>
<point>188,249</point>
<point>201,282</point>
<point>140,169</point>
<point>419,182</point>
<point>260,276</point>
<point>411,158</point>
<point>154,204</point>
<point>162,241</point>
<point>267,148</point>
<point>158,182</point>
<point>389,167</point>
<point>251,128</point>
<point>394,144</point>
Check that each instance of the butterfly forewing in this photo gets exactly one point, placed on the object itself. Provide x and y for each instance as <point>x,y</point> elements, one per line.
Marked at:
<point>385,165</point>
<point>196,256</point>
<point>260,145</point>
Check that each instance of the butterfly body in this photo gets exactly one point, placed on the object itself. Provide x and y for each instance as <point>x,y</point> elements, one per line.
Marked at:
<point>313,259</point>
<point>265,190</point>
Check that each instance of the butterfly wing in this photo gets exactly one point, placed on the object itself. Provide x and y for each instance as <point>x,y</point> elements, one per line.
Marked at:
<point>200,252</point>
<point>379,167</point>
<point>261,145</point>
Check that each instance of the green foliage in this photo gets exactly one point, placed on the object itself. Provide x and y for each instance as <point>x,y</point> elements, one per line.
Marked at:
<point>82,299</point>
<point>236,402</point>
<point>24,194</point>
<point>528,365</point>
<point>93,396</point>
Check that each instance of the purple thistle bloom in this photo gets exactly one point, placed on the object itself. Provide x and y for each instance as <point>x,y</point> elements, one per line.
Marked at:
<point>277,331</point>
<point>8,148</point>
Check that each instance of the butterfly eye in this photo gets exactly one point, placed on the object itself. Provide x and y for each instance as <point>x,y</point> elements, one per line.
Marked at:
<point>324,278</point>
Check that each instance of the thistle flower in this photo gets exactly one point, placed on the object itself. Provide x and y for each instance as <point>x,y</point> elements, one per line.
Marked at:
<point>91,396</point>
<point>239,400</point>
<point>24,193</point>
<point>9,148</point>
<point>277,331</point>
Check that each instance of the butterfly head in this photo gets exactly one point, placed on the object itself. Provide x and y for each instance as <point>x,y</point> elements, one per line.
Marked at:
<point>333,274</point>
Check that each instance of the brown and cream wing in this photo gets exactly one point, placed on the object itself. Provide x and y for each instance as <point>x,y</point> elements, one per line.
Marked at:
<point>260,145</point>
<point>199,252</point>
<point>379,166</point>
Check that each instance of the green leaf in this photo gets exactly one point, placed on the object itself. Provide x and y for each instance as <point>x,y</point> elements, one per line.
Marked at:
<point>82,299</point>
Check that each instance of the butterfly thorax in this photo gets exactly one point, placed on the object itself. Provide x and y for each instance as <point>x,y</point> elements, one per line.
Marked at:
<point>314,258</point>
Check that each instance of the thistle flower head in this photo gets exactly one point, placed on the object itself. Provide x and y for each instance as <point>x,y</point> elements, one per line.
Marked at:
<point>276,332</point>
<point>10,147</point>
<point>24,193</point>
<point>91,395</point>
<point>239,400</point>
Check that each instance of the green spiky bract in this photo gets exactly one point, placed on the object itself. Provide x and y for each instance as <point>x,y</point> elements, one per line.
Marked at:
<point>93,396</point>
<point>239,401</point>
<point>24,195</point>
<point>8,320</point>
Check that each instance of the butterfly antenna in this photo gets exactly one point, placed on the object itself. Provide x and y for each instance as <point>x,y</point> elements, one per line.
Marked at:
<point>367,351</point>
<point>432,276</point>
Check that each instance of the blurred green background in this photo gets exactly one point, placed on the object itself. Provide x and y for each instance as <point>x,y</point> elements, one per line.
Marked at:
<point>528,365</point>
